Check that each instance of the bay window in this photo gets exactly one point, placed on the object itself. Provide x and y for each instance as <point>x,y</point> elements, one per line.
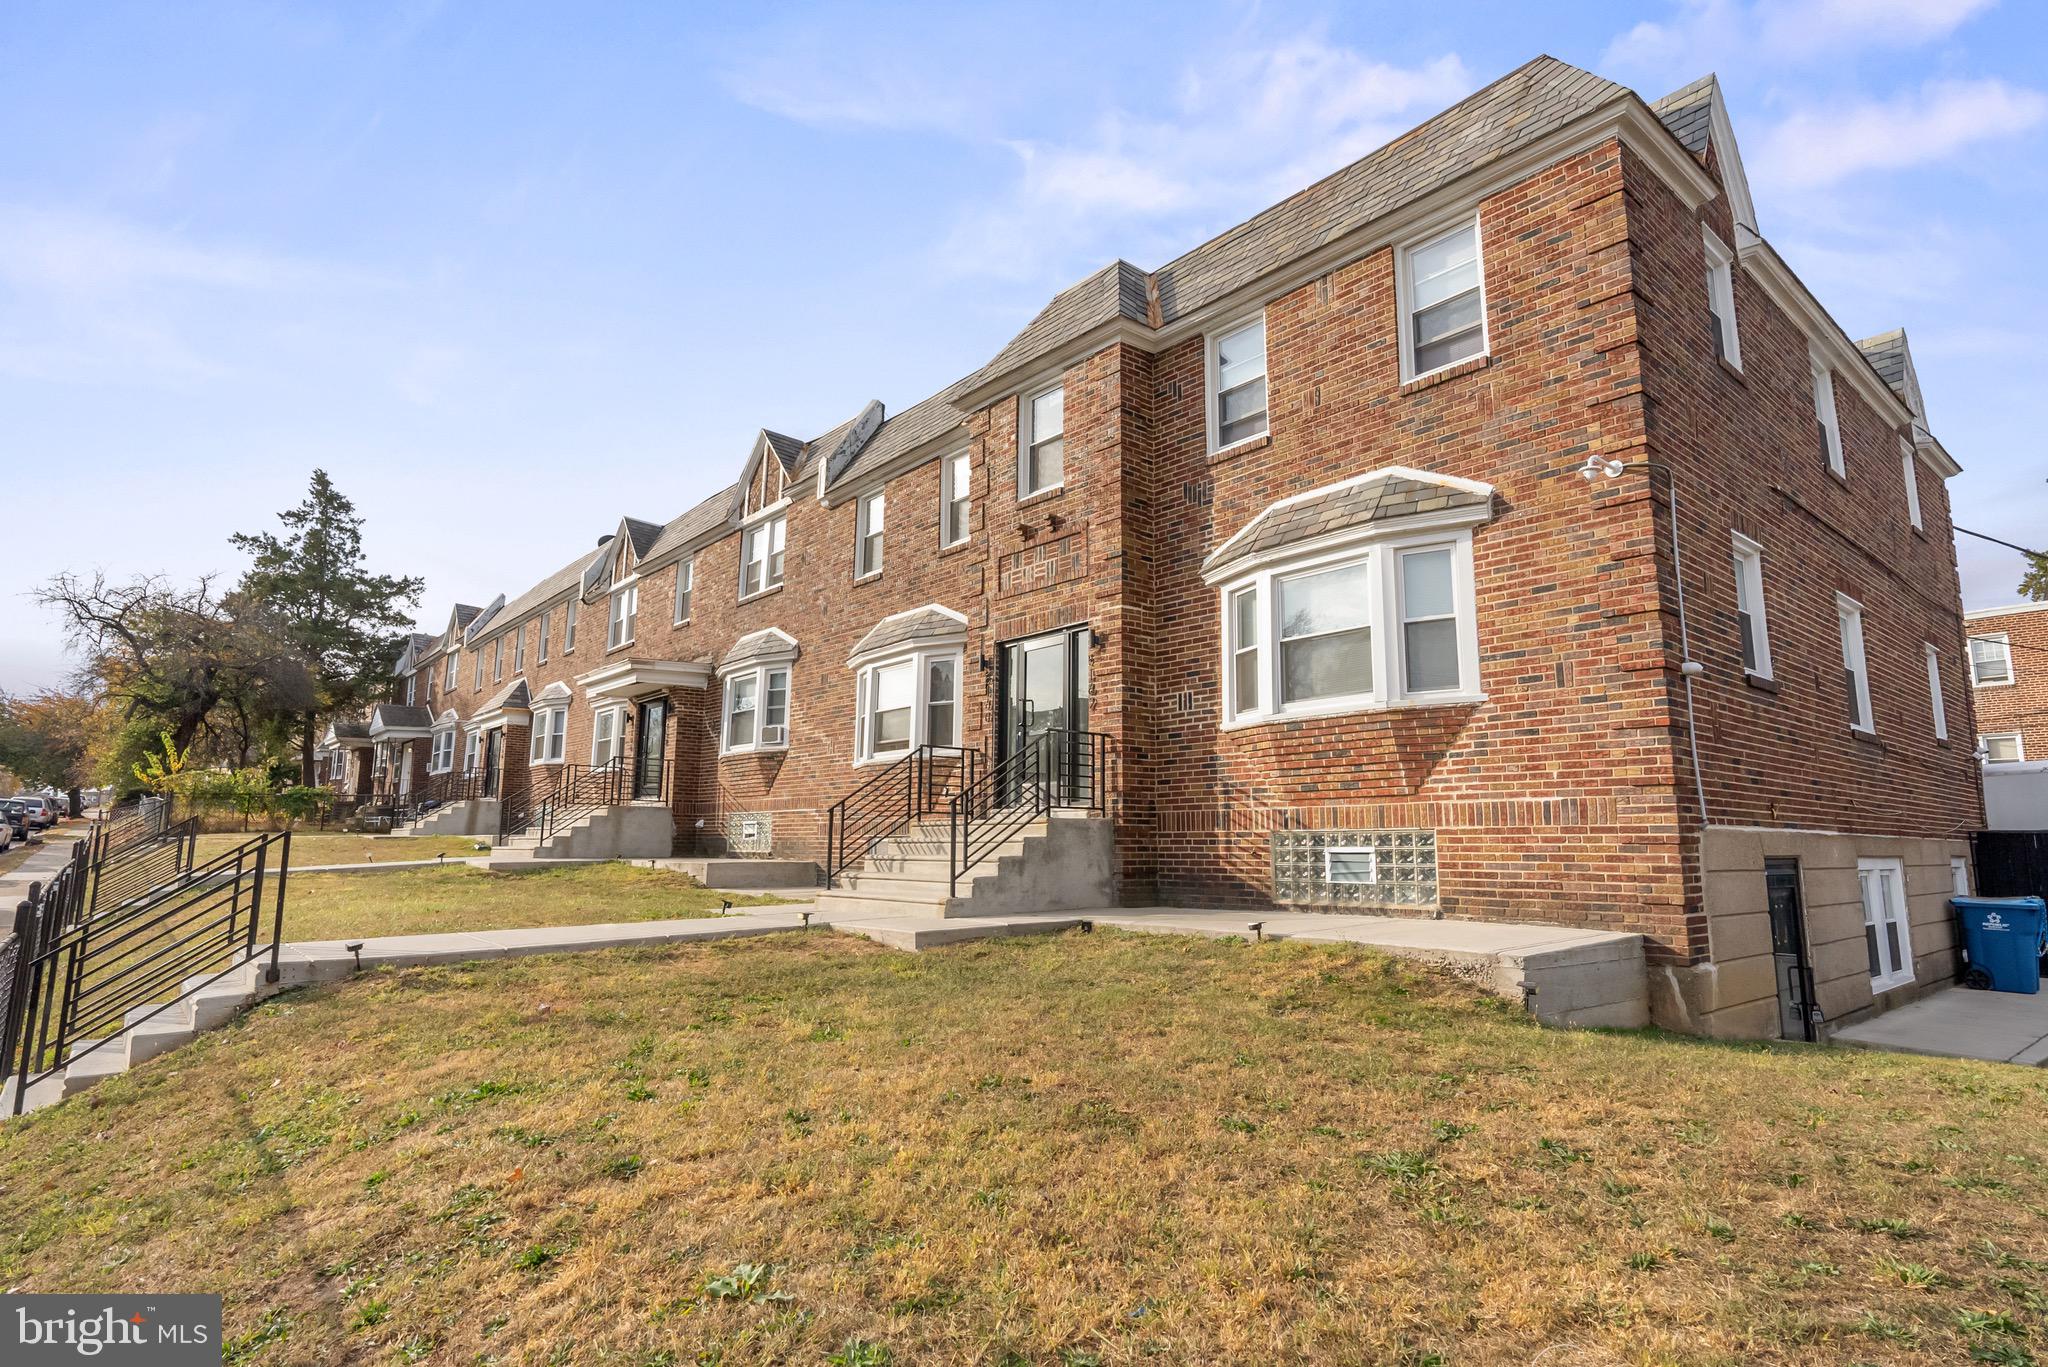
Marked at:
<point>905,702</point>
<point>469,752</point>
<point>1389,624</point>
<point>1237,385</point>
<point>1443,309</point>
<point>550,728</point>
<point>441,755</point>
<point>756,710</point>
<point>761,551</point>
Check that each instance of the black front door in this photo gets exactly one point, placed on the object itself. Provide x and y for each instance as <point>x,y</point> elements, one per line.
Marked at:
<point>1045,690</point>
<point>494,754</point>
<point>1788,949</point>
<point>650,747</point>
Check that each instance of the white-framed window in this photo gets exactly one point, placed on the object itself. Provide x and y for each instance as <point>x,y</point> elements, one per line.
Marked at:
<point>1885,932</point>
<point>1991,660</point>
<point>550,729</point>
<point>1958,876</point>
<point>569,627</point>
<point>1909,472</point>
<point>1824,416</point>
<point>761,552</point>
<point>448,674</point>
<point>1237,384</point>
<point>1750,618</point>
<point>1855,664</point>
<point>469,751</point>
<point>441,754</point>
<point>870,515</point>
<point>1390,624</point>
<point>498,658</point>
<point>625,605</point>
<point>519,650</point>
<point>408,689</point>
<point>1721,299</point>
<point>542,657</point>
<point>2003,747</point>
<point>686,584</point>
<point>1042,445</point>
<point>1934,700</point>
<point>956,473</point>
<point>1351,864</point>
<point>604,736</point>
<point>479,669</point>
<point>1443,301</point>
<point>756,710</point>
<point>905,702</point>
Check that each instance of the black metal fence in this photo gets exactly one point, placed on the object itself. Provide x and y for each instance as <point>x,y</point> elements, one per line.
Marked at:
<point>2011,863</point>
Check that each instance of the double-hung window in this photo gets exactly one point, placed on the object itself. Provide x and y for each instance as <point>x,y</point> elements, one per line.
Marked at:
<point>1443,310</point>
<point>1237,380</point>
<point>1886,937</point>
<point>479,669</point>
<point>1721,299</point>
<point>867,550</point>
<point>1824,416</point>
<point>497,659</point>
<point>757,710</point>
<point>625,603</point>
<point>448,675</point>
<point>686,583</point>
<point>1855,665</point>
<point>550,727</point>
<point>1244,650</point>
<point>2005,747</point>
<point>441,757</point>
<point>761,552</point>
<point>1909,471</point>
<point>1429,620</point>
<point>906,702</point>
<point>1934,700</point>
<point>604,737</point>
<point>469,751</point>
<point>409,679</point>
<point>1044,461</point>
<point>957,472</point>
<point>1749,607</point>
<point>542,657</point>
<point>519,651</point>
<point>1990,660</point>
<point>569,627</point>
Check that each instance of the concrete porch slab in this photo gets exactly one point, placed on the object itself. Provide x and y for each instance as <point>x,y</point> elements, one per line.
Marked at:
<point>2000,1027</point>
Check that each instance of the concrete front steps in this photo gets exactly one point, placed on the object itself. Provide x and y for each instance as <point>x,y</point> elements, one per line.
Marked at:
<point>472,816</point>
<point>213,1002</point>
<point>638,830</point>
<point>1064,861</point>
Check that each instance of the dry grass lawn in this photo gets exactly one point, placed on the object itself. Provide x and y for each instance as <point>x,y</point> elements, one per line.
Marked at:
<point>340,847</point>
<point>1084,1149</point>
<point>336,906</point>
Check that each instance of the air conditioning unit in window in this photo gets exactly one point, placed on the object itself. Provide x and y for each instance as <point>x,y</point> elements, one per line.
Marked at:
<point>775,735</point>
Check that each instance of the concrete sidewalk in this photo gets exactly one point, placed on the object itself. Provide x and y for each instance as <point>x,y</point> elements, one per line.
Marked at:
<point>37,868</point>
<point>1956,1022</point>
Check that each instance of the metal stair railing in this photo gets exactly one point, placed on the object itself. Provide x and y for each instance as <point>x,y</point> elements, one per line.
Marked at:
<point>1055,768</point>
<point>913,787</point>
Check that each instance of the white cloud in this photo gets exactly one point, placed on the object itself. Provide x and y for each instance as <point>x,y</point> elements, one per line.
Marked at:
<point>1706,34</point>
<point>1243,133</point>
<point>1822,146</point>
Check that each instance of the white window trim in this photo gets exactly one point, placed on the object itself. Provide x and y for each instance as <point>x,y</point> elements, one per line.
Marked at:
<point>2004,639</point>
<point>472,751</point>
<point>1936,703</point>
<point>1849,612</point>
<point>948,494</point>
<point>550,733</point>
<point>1389,667</point>
<point>2019,746</point>
<point>453,673</point>
<point>1372,857</point>
<point>498,658</point>
<point>1721,294</point>
<point>759,674</point>
<point>519,650</point>
<point>1831,418</point>
<point>1899,909</point>
<point>920,662</point>
<point>617,714</point>
<point>629,593</point>
<point>437,762</point>
<point>761,522</point>
<point>1212,386</point>
<point>1908,471</point>
<point>686,588</point>
<point>862,516</point>
<point>1749,577</point>
<point>1404,293</point>
<point>569,626</point>
<point>542,657</point>
<point>1026,438</point>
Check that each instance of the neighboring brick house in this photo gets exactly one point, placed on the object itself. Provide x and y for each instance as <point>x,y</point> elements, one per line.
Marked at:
<point>1352,529</point>
<point>2009,671</point>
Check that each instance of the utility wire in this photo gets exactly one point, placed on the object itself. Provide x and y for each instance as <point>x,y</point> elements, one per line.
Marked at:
<point>1997,542</point>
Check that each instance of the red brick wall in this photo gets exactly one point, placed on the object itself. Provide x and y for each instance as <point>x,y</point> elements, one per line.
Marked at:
<point>2023,706</point>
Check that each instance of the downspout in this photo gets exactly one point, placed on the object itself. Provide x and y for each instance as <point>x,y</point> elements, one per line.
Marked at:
<point>1688,668</point>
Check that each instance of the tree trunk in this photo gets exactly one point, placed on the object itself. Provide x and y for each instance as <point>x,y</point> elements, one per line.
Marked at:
<point>306,744</point>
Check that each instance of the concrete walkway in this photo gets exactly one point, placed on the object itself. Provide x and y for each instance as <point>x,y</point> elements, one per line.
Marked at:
<point>37,868</point>
<point>2000,1027</point>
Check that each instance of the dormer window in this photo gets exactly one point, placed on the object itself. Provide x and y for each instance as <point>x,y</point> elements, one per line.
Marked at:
<point>1721,300</point>
<point>761,553</point>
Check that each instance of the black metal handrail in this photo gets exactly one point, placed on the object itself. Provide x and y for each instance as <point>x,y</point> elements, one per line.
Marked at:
<point>122,874</point>
<point>75,982</point>
<point>439,790</point>
<point>910,789</point>
<point>1053,768</point>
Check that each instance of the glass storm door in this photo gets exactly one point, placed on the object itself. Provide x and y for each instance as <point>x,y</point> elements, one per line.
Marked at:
<point>650,745</point>
<point>494,754</point>
<point>1045,689</point>
<point>1788,948</point>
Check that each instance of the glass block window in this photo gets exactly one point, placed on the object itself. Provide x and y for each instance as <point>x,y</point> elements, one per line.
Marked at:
<point>749,832</point>
<point>1355,868</point>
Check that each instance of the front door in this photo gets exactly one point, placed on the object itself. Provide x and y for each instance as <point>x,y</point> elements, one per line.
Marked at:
<point>650,747</point>
<point>494,755</point>
<point>1788,949</point>
<point>1045,690</point>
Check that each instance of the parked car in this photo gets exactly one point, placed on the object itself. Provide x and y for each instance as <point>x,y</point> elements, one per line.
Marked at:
<point>42,812</point>
<point>6,835</point>
<point>15,814</point>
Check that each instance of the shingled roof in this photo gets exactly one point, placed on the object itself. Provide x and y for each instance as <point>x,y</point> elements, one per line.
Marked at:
<point>707,515</point>
<point>1892,359</point>
<point>928,623</point>
<point>913,427</point>
<point>1379,496</point>
<point>398,717</point>
<point>1688,112</point>
<point>770,643</point>
<point>512,695</point>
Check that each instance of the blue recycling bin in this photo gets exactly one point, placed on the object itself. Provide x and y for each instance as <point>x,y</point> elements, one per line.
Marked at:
<point>2004,938</point>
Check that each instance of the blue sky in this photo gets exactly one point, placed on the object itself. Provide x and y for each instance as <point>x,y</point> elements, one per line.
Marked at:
<point>511,270</point>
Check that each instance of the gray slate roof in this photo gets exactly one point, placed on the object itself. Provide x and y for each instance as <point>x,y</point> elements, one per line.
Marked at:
<point>561,581</point>
<point>1338,508</point>
<point>709,514</point>
<point>909,627</point>
<point>913,427</point>
<point>787,449</point>
<point>511,695</point>
<point>1887,353</point>
<point>349,729</point>
<point>1118,289</point>
<point>642,535</point>
<point>465,614</point>
<point>1687,112</point>
<point>756,645</point>
<point>398,717</point>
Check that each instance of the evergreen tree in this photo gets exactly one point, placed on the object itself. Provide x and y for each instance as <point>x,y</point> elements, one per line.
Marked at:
<point>346,624</point>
